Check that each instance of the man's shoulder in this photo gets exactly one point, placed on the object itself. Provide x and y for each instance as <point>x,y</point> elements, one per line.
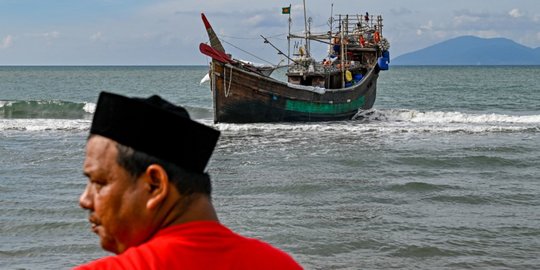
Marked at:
<point>192,245</point>
<point>250,254</point>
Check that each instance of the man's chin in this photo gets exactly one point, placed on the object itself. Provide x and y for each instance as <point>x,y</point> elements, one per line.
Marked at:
<point>109,245</point>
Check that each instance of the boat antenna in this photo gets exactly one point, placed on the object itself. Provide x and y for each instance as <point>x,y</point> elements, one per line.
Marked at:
<point>279,51</point>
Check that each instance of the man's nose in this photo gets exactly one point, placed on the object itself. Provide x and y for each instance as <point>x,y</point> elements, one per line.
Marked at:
<point>85,201</point>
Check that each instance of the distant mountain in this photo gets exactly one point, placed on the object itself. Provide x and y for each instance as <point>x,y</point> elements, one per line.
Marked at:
<point>470,50</point>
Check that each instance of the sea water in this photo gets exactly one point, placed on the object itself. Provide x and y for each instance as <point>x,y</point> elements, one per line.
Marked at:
<point>443,173</point>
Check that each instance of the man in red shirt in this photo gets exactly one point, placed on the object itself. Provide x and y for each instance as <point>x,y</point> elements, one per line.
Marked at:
<point>149,197</point>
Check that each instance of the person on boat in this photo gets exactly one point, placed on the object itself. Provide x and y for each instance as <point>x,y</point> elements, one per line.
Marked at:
<point>362,41</point>
<point>327,62</point>
<point>148,197</point>
<point>301,51</point>
<point>336,45</point>
<point>369,37</point>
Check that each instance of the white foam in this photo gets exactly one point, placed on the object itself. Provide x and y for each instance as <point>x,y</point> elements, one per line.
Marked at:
<point>373,122</point>
<point>89,107</point>
<point>5,103</point>
<point>456,117</point>
<point>403,121</point>
<point>43,124</point>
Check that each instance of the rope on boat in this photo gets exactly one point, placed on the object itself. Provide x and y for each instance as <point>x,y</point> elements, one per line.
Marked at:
<point>213,80</point>
<point>226,89</point>
<point>238,48</point>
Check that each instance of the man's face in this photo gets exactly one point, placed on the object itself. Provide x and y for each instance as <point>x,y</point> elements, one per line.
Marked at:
<point>115,199</point>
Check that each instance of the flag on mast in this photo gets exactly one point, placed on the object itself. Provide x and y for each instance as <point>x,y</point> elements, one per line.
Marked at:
<point>286,10</point>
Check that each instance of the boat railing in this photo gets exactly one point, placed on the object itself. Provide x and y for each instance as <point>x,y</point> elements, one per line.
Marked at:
<point>354,26</point>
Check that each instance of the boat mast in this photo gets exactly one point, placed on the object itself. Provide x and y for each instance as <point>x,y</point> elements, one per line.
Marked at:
<point>331,22</point>
<point>342,51</point>
<point>289,38</point>
<point>306,30</point>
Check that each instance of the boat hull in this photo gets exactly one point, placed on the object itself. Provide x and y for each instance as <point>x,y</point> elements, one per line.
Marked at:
<point>241,96</point>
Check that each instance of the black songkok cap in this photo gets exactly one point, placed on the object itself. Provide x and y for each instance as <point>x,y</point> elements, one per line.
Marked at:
<point>156,127</point>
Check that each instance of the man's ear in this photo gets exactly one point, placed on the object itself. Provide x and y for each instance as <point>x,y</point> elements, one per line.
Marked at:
<point>157,184</point>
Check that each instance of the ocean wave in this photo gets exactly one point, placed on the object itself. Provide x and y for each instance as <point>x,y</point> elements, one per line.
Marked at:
<point>63,115</point>
<point>414,116</point>
<point>419,187</point>
<point>416,251</point>
<point>59,109</point>
<point>45,109</point>
<point>472,199</point>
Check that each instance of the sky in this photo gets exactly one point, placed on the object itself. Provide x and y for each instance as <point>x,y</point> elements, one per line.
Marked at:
<point>165,32</point>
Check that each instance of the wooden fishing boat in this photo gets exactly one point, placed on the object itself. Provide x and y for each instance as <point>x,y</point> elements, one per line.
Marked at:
<point>336,88</point>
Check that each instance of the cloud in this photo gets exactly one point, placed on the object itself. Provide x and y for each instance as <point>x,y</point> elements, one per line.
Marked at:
<point>466,18</point>
<point>254,20</point>
<point>51,35</point>
<point>513,21</point>
<point>401,11</point>
<point>426,27</point>
<point>486,34</point>
<point>48,36</point>
<point>515,13</point>
<point>263,19</point>
<point>96,36</point>
<point>6,42</point>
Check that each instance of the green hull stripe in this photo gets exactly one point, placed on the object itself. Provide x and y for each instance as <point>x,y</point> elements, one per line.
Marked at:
<point>324,108</point>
